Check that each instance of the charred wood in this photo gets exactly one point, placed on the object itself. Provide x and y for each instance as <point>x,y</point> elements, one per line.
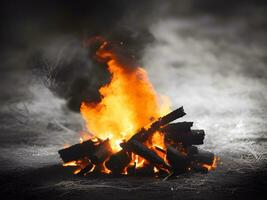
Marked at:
<point>191,150</point>
<point>131,170</point>
<point>179,127</point>
<point>86,169</point>
<point>199,168</point>
<point>204,157</point>
<point>77,151</point>
<point>144,134</point>
<point>170,117</point>
<point>118,161</point>
<point>178,161</point>
<point>146,170</point>
<point>162,173</point>
<point>160,149</point>
<point>143,151</point>
<point>102,152</point>
<point>192,137</point>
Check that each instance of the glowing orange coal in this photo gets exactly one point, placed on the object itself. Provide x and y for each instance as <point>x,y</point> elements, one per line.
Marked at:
<point>213,165</point>
<point>128,102</point>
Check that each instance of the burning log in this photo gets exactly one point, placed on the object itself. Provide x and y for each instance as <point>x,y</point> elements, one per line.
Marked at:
<point>186,137</point>
<point>178,161</point>
<point>102,152</point>
<point>201,160</point>
<point>86,169</point>
<point>179,127</point>
<point>191,150</point>
<point>131,170</point>
<point>197,137</point>
<point>96,171</point>
<point>162,173</point>
<point>170,117</point>
<point>160,149</point>
<point>118,161</point>
<point>144,134</point>
<point>146,170</point>
<point>143,151</point>
<point>134,143</point>
<point>77,151</point>
<point>204,157</point>
<point>199,168</point>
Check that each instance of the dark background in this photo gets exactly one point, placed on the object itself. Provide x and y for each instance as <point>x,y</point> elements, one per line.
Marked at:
<point>209,56</point>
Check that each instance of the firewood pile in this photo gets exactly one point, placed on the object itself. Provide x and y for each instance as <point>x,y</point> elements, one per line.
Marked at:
<point>139,157</point>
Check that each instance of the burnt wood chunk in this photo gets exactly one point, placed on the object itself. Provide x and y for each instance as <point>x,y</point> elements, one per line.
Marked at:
<point>204,157</point>
<point>179,127</point>
<point>191,151</point>
<point>172,116</point>
<point>160,149</point>
<point>118,161</point>
<point>143,151</point>
<point>77,151</point>
<point>199,168</point>
<point>178,161</point>
<point>86,169</point>
<point>131,170</point>
<point>197,137</point>
<point>102,152</point>
<point>146,170</point>
<point>187,138</point>
<point>143,134</point>
<point>162,173</point>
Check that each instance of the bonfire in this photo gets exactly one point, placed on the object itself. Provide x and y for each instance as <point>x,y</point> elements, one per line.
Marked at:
<point>131,128</point>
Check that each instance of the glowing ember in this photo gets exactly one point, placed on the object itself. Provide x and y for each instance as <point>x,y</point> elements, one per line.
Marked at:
<point>213,165</point>
<point>155,170</point>
<point>72,163</point>
<point>77,171</point>
<point>66,146</point>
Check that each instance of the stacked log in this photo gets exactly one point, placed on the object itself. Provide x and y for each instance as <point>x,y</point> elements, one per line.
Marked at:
<point>118,162</point>
<point>180,153</point>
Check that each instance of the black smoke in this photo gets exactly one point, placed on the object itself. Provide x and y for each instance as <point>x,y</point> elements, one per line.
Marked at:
<point>46,37</point>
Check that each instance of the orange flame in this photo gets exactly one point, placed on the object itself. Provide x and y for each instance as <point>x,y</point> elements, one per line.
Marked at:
<point>128,102</point>
<point>158,140</point>
<point>71,163</point>
<point>213,165</point>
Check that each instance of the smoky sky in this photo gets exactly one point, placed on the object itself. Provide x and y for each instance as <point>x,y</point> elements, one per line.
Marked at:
<point>43,39</point>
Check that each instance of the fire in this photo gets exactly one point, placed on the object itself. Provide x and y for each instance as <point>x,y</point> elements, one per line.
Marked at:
<point>158,140</point>
<point>213,165</point>
<point>139,161</point>
<point>155,170</point>
<point>66,146</point>
<point>84,136</point>
<point>77,171</point>
<point>131,114</point>
<point>128,102</point>
<point>71,163</point>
